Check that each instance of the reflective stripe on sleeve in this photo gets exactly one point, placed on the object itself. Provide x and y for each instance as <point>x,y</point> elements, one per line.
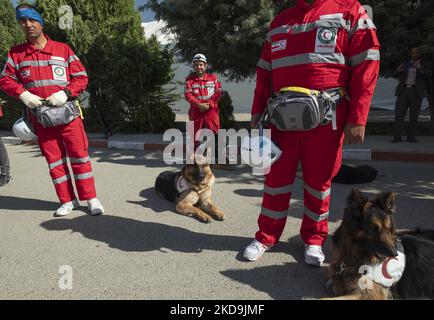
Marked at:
<point>264,65</point>
<point>371,54</point>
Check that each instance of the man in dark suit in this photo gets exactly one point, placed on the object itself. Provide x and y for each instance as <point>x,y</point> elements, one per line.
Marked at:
<point>411,90</point>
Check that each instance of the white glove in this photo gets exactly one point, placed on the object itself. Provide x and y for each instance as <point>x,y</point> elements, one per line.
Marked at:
<point>58,99</point>
<point>30,100</point>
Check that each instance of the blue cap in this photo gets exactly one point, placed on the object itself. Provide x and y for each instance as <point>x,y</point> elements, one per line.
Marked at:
<point>29,13</point>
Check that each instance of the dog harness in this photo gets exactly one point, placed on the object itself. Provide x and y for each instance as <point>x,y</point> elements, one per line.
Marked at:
<point>172,184</point>
<point>182,184</point>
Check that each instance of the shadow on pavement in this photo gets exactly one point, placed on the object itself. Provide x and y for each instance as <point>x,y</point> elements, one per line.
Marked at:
<point>288,281</point>
<point>251,193</point>
<point>153,201</point>
<point>292,280</point>
<point>21,204</point>
<point>147,159</point>
<point>133,235</point>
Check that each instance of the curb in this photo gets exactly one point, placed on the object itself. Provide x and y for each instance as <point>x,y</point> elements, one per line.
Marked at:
<point>11,140</point>
<point>347,154</point>
<point>402,156</point>
<point>356,154</point>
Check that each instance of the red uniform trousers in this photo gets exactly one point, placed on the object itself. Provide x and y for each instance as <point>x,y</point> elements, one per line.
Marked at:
<point>58,143</point>
<point>209,119</point>
<point>320,153</point>
<point>204,120</point>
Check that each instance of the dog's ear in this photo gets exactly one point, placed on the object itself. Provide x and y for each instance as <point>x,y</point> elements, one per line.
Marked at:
<point>184,168</point>
<point>201,160</point>
<point>356,200</point>
<point>387,201</point>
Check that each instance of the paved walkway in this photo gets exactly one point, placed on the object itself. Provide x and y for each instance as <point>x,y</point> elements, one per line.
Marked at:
<point>374,148</point>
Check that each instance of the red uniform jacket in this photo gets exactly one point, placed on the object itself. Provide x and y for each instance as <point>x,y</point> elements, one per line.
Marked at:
<point>204,90</point>
<point>43,72</point>
<point>329,44</point>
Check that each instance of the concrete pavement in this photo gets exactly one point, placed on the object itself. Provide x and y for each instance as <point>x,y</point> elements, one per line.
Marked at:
<point>141,249</point>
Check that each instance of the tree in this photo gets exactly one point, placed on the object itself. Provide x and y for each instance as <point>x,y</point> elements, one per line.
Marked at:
<point>226,114</point>
<point>10,35</point>
<point>229,32</point>
<point>126,72</point>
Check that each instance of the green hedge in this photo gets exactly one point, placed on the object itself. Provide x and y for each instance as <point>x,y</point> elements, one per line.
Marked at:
<point>227,120</point>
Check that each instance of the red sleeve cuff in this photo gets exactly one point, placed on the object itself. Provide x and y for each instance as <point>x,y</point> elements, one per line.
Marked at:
<point>19,92</point>
<point>354,119</point>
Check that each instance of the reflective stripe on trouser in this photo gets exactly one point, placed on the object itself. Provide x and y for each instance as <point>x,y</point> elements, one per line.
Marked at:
<point>62,142</point>
<point>277,193</point>
<point>320,153</point>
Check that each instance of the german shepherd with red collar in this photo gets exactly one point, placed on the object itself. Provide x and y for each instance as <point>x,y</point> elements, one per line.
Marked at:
<point>367,241</point>
<point>191,190</point>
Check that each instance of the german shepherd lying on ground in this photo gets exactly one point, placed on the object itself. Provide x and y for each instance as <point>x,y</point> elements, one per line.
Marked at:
<point>190,189</point>
<point>365,246</point>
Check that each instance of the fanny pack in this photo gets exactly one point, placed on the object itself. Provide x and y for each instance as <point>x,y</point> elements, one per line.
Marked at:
<point>51,116</point>
<point>301,109</point>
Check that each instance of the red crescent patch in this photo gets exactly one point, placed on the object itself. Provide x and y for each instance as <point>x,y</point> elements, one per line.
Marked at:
<point>384,268</point>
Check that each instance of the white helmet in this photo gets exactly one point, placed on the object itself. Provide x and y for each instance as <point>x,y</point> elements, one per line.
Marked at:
<point>199,57</point>
<point>260,153</point>
<point>22,131</point>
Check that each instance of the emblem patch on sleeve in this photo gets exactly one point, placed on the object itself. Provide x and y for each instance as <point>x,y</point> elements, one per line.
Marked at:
<point>278,46</point>
<point>25,73</point>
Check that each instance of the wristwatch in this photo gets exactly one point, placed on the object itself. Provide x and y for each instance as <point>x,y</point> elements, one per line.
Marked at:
<point>68,94</point>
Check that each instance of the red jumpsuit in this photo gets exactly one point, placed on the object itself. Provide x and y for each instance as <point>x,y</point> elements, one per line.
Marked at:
<point>44,72</point>
<point>329,44</point>
<point>203,90</point>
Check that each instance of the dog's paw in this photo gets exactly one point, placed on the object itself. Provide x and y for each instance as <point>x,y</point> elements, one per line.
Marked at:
<point>219,216</point>
<point>205,219</point>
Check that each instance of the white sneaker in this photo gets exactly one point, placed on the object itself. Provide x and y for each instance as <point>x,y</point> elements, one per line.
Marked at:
<point>255,250</point>
<point>95,207</point>
<point>67,208</point>
<point>313,255</point>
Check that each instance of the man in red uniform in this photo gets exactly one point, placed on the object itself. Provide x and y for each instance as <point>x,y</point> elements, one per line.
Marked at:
<point>320,45</point>
<point>203,92</point>
<point>45,69</point>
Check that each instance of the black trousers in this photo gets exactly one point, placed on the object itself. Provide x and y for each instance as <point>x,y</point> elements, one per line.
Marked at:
<point>408,99</point>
